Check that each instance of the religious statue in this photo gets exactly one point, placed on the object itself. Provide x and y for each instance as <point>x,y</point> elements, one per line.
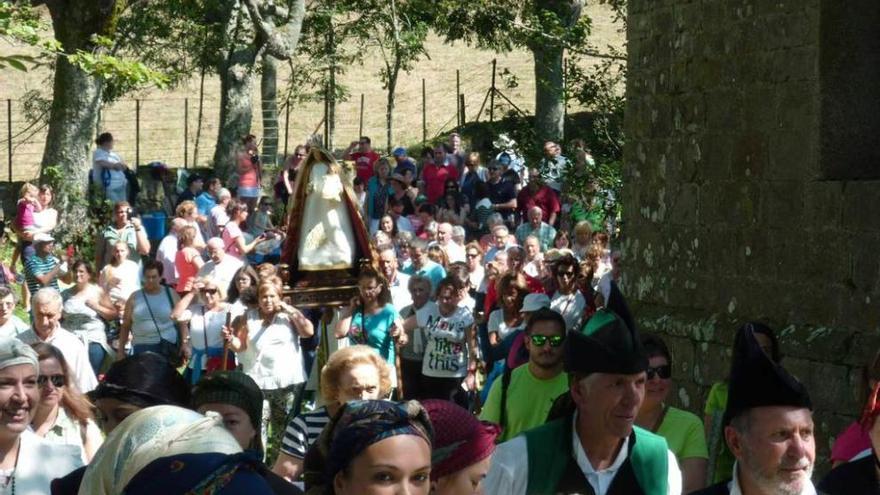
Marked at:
<point>327,239</point>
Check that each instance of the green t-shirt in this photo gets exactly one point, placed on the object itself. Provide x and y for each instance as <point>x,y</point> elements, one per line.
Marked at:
<point>716,404</point>
<point>528,401</point>
<point>684,434</point>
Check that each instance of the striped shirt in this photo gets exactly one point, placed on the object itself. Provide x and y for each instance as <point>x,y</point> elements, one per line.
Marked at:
<point>35,265</point>
<point>303,431</point>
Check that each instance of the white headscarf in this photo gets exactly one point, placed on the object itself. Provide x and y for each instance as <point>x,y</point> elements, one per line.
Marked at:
<point>150,434</point>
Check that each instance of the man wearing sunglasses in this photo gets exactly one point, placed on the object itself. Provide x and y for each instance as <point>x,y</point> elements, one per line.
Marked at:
<point>526,400</point>
<point>593,447</point>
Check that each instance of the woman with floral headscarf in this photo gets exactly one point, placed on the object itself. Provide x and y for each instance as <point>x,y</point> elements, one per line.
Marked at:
<point>372,447</point>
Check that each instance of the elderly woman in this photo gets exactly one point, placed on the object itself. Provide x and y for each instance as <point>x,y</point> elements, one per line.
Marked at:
<point>86,310</point>
<point>205,313</point>
<point>463,447</point>
<point>267,343</point>
<point>123,228</point>
<point>63,415</point>
<point>189,212</point>
<point>147,319</point>
<point>373,447</point>
<point>351,373</point>
<point>27,462</point>
<point>682,430</point>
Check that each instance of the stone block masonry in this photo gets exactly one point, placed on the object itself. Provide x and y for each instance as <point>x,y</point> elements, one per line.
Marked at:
<point>738,206</point>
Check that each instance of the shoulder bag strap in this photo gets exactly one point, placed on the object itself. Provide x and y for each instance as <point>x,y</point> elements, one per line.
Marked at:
<point>204,328</point>
<point>153,317</point>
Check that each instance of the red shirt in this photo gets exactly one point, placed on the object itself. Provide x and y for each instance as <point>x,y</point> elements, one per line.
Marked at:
<point>363,163</point>
<point>545,198</point>
<point>435,179</point>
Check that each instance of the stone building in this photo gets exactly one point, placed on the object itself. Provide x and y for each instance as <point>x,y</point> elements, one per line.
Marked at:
<point>752,187</point>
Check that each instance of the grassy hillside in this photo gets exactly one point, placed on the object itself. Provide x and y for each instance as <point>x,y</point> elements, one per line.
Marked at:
<point>162,113</point>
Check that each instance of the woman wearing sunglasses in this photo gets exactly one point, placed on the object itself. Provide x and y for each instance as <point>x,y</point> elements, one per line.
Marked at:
<point>64,415</point>
<point>204,311</point>
<point>682,430</point>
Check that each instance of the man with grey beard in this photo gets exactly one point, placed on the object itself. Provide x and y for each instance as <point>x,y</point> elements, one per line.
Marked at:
<point>769,427</point>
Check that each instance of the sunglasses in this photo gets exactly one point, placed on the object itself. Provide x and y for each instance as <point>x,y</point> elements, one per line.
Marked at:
<point>540,340</point>
<point>472,255</point>
<point>57,380</point>
<point>209,291</point>
<point>565,274</point>
<point>664,372</point>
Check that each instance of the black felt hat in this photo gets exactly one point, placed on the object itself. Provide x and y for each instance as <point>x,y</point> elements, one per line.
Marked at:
<point>757,381</point>
<point>605,344</point>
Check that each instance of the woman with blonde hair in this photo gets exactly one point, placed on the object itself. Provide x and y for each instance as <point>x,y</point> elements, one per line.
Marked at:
<point>583,239</point>
<point>63,414</point>
<point>121,277</point>
<point>266,341</point>
<point>352,373</point>
<point>189,212</point>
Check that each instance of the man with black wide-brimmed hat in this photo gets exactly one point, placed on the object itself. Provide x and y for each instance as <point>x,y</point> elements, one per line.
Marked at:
<point>594,447</point>
<point>768,427</point>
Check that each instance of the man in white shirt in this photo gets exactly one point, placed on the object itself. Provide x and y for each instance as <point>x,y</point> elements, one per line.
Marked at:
<point>398,282</point>
<point>167,251</point>
<point>453,250</point>
<point>769,426</point>
<point>10,325</point>
<point>218,216</point>
<point>108,169</point>
<point>592,446</point>
<point>46,304</point>
<point>221,267</point>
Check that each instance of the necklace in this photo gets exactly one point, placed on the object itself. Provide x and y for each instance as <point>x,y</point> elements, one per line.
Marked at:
<point>11,479</point>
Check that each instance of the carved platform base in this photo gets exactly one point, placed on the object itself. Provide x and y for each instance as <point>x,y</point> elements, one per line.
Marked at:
<point>318,289</point>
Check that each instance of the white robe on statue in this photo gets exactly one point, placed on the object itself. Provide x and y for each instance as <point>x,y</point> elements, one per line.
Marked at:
<point>326,237</point>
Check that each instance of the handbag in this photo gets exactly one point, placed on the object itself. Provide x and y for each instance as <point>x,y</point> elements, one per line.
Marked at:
<point>168,349</point>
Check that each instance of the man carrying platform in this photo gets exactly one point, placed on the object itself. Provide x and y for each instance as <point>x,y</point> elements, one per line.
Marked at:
<point>593,447</point>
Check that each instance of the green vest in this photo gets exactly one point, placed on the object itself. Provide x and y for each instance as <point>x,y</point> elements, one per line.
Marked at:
<point>549,451</point>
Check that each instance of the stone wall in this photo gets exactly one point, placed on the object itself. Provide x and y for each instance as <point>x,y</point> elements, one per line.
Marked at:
<point>733,210</point>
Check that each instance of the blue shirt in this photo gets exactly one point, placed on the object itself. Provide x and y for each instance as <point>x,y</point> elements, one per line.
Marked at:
<point>375,331</point>
<point>434,271</point>
<point>204,203</point>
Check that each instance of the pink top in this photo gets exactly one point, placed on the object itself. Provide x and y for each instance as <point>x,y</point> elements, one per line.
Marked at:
<point>850,443</point>
<point>186,268</point>
<point>24,219</point>
<point>230,233</point>
<point>248,173</point>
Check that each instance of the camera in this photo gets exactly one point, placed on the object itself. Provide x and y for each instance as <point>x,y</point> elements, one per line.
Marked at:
<point>255,159</point>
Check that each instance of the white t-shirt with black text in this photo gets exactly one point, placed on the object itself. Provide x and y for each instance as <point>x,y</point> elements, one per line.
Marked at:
<point>446,349</point>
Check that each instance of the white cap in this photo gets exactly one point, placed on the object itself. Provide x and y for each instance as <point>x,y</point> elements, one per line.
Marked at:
<point>43,237</point>
<point>534,302</point>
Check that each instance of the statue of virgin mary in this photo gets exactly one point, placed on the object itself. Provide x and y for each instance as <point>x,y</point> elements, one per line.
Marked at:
<point>325,226</point>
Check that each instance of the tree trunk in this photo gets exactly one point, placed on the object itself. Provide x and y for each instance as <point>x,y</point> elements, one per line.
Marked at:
<point>549,75</point>
<point>76,101</point>
<point>549,93</point>
<point>236,88</point>
<point>269,97</point>
<point>389,116</point>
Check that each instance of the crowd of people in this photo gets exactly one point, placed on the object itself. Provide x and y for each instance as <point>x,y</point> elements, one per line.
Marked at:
<point>490,316</point>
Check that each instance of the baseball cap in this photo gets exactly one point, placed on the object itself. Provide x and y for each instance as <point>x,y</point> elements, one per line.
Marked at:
<point>534,302</point>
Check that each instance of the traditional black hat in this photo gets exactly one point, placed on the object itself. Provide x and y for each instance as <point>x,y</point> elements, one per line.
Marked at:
<point>757,381</point>
<point>605,344</point>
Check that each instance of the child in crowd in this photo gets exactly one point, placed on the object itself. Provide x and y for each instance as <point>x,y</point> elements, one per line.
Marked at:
<point>27,205</point>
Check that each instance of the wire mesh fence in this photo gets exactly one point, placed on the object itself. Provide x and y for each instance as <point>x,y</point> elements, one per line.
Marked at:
<point>181,130</point>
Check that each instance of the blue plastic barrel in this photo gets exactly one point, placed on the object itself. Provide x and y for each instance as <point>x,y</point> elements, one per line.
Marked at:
<point>154,223</point>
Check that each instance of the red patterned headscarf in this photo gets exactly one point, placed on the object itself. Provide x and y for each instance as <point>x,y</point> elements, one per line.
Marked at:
<point>460,439</point>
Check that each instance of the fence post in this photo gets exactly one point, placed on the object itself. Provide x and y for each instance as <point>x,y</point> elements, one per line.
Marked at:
<point>461,106</point>
<point>326,115</point>
<point>9,134</point>
<point>424,117</point>
<point>137,133</point>
<point>492,94</point>
<point>361,125</point>
<point>286,125</point>
<point>457,92</point>
<point>186,133</point>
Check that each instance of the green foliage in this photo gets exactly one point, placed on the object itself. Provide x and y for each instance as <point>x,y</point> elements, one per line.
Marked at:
<point>121,75</point>
<point>21,25</point>
<point>72,229</point>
